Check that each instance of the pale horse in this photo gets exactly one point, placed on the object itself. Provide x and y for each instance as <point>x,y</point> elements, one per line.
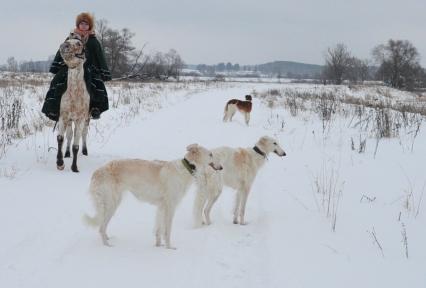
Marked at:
<point>75,102</point>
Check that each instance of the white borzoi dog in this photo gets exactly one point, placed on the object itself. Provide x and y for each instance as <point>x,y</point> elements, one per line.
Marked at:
<point>240,166</point>
<point>160,183</point>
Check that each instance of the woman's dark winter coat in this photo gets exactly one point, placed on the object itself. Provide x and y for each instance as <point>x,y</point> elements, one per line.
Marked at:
<point>95,72</point>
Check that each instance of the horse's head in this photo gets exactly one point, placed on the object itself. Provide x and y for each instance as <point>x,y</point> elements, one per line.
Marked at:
<point>72,50</point>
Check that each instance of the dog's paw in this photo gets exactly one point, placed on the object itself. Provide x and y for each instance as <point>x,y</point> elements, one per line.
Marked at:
<point>107,244</point>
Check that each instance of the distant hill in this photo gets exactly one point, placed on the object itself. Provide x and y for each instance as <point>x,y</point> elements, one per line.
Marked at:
<point>289,69</point>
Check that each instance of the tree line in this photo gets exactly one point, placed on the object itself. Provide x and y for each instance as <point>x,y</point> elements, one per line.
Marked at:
<point>395,63</point>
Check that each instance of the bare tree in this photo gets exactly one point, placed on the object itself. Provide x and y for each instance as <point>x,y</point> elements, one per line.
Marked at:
<point>175,64</point>
<point>398,62</point>
<point>127,62</point>
<point>357,70</point>
<point>117,45</point>
<point>12,64</point>
<point>337,62</point>
<point>101,30</point>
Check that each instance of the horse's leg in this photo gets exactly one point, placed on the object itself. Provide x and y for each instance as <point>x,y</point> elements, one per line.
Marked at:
<point>84,136</point>
<point>77,135</point>
<point>69,137</point>
<point>60,137</point>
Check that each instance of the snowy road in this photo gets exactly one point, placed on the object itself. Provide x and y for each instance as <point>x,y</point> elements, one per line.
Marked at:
<point>287,242</point>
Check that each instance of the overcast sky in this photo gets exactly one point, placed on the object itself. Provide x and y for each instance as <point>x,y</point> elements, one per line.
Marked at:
<point>212,31</point>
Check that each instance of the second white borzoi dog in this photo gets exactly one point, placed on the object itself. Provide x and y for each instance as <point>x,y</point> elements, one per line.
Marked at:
<point>160,183</point>
<point>240,166</point>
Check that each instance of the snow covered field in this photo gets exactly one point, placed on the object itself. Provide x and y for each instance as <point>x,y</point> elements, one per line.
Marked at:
<point>344,208</point>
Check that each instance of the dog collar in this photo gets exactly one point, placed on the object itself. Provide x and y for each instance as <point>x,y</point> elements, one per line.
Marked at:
<point>255,148</point>
<point>190,167</point>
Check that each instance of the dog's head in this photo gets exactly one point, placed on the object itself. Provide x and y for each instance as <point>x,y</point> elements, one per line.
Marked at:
<point>268,144</point>
<point>72,50</point>
<point>201,157</point>
<point>248,98</point>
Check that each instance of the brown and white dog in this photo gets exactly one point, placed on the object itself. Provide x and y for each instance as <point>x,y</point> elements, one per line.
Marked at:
<point>243,106</point>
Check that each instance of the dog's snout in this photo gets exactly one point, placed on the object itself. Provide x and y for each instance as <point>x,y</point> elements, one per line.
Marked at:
<point>216,167</point>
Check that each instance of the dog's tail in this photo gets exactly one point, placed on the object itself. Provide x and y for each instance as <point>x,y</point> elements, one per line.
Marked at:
<point>98,191</point>
<point>225,112</point>
<point>91,221</point>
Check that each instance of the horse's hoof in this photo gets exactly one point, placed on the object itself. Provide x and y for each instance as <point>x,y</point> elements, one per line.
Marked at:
<point>67,154</point>
<point>60,167</point>
<point>74,169</point>
<point>85,152</point>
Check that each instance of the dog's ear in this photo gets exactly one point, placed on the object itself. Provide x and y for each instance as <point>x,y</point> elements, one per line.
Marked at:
<point>263,140</point>
<point>192,148</point>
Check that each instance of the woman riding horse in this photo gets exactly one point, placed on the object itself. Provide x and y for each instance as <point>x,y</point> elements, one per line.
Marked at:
<point>95,72</point>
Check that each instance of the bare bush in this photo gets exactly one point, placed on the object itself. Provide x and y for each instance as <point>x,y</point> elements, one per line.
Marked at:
<point>11,109</point>
<point>376,241</point>
<point>326,106</point>
<point>328,190</point>
<point>360,146</point>
<point>404,239</point>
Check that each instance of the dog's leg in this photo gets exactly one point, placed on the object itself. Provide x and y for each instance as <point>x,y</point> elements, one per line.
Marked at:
<point>232,112</point>
<point>237,206</point>
<point>110,203</point>
<point>244,196</point>
<point>212,199</point>
<point>247,117</point>
<point>159,228</point>
<point>102,229</point>
<point>168,221</point>
<point>199,203</point>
